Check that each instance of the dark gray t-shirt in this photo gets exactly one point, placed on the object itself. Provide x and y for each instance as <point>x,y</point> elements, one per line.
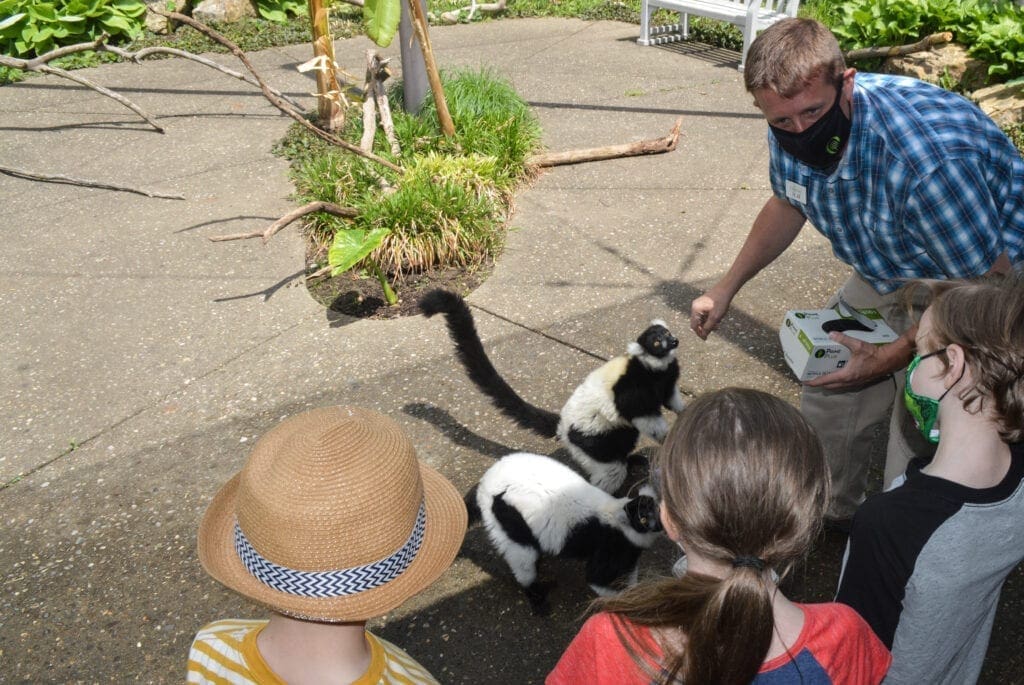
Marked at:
<point>925,564</point>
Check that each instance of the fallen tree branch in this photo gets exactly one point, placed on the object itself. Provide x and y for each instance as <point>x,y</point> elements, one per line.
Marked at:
<point>31,64</point>
<point>39,65</point>
<point>595,154</point>
<point>452,17</point>
<point>268,233</point>
<point>321,272</point>
<point>48,178</point>
<point>185,54</point>
<point>100,45</point>
<point>922,45</point>
<point>274,100</point>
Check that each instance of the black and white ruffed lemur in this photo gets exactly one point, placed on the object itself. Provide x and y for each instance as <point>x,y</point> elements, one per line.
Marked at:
<point>602,420</point>
<point>533,506</point>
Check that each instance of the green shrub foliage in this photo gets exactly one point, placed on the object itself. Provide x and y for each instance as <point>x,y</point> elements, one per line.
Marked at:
<point>992,30</point>
<point>29,28</point>
<point>280,11</point>
<point>451,205</point>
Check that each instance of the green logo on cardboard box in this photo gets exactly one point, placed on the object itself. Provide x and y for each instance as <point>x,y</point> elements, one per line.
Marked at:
<point>819,354</point>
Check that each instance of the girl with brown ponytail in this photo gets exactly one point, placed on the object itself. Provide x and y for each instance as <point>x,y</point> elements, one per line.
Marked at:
<point>744,485</point>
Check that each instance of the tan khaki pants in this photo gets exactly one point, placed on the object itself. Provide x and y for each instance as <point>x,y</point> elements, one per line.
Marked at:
<point>852,424</point>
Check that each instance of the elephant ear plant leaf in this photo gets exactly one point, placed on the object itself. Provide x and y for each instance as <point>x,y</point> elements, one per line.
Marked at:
<point>353,245</point>
<point>381,17</point>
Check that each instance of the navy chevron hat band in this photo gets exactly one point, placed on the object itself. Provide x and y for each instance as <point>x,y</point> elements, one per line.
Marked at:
<point>336,583</point>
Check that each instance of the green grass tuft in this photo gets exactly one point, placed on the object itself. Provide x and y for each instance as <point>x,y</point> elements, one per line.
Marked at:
<point>451,206</point>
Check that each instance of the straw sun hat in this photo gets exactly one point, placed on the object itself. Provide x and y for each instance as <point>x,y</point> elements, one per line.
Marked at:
<point>332,518</point>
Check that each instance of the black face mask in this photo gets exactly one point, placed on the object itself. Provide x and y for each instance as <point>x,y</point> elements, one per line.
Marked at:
<point>820,144</point>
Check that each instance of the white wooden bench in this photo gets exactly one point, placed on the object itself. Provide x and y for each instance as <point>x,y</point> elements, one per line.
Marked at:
<point>750,16</point>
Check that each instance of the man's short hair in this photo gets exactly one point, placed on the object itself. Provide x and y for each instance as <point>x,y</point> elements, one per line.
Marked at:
<point>792,54</point>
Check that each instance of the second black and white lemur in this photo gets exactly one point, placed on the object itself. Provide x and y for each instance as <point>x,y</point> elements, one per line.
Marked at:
<point>534,506</point>
<point>602,420</point>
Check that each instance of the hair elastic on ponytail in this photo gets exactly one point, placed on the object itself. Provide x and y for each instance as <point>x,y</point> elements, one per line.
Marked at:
<point>748,562</point>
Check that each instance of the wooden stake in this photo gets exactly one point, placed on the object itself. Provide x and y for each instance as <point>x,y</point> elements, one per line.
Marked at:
<point>369,104</point>
<point>381,74</point>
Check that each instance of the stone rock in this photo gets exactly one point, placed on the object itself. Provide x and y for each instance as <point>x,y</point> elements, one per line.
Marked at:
<point>223,10</point>
<point>947,65</point>
<point>1004,103</point>
<point>162,25</point>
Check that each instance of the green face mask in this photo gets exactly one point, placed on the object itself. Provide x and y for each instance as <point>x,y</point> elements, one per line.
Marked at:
<point>925,410</point>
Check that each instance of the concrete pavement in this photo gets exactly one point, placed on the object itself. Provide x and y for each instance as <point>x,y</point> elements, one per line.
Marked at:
<point>140,362</point>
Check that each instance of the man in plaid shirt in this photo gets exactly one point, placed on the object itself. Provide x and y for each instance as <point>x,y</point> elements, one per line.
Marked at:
<point>906,180</point>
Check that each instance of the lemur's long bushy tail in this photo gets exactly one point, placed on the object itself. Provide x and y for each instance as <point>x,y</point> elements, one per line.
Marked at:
<point>472,507</point>
<point>471,353</point>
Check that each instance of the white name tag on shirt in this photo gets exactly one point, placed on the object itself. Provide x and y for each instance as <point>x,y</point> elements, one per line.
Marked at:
<point>796,192</point>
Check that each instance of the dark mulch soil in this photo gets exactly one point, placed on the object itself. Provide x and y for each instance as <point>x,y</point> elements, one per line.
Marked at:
<point>360,295</point>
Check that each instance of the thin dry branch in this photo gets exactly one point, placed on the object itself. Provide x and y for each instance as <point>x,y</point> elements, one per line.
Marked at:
<point>595,154</point>
<point>100,45</point>
<point>39,65</point>
<point>922,45</point>
<point>30,64</point>
<point>274,100</point>
<point>321,272</point>
<point>56,178</point>
<point>185,54</point>
<point>46,69</point>
<point>269,231</point>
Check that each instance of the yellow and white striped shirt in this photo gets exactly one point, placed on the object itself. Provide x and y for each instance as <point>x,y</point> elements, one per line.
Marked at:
<point>224,652</point>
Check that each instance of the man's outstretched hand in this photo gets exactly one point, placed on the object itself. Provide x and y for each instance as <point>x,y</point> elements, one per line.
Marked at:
<point>707,311</point>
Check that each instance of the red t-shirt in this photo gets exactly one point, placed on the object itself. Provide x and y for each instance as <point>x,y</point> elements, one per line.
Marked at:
<point>835,647</point>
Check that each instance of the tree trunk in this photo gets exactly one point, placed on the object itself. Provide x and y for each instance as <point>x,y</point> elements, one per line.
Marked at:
<point>329,113</point>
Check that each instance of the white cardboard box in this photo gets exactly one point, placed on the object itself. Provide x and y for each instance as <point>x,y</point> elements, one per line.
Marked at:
<point>809,351</point>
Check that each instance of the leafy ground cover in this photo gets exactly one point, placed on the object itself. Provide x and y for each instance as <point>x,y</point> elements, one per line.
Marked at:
<point>442,219</point>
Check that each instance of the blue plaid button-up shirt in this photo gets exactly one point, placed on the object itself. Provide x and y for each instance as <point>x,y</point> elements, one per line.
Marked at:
<point>928,186</point>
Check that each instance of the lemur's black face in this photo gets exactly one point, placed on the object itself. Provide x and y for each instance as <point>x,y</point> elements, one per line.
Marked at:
<point>657,341</point>
<point>643,514</point>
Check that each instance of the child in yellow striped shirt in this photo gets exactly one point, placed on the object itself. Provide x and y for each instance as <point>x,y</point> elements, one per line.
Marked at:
<point>332,521</point>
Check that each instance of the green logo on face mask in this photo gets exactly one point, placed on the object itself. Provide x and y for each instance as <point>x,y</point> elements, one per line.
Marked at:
<point>833,145</point>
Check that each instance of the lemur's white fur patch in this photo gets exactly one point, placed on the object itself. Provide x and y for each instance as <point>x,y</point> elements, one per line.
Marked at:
<point>552,499</point>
